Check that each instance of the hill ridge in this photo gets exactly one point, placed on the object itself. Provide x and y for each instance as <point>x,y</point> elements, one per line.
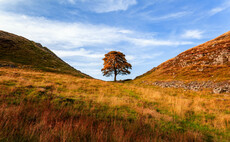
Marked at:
<point>17,51</point>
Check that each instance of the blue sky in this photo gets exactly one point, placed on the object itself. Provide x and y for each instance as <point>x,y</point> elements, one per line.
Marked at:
<point>148,32</point>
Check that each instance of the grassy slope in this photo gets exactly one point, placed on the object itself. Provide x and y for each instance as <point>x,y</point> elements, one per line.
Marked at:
<point>40,106</point>
<point>20,52</point>
<point>195,64</point>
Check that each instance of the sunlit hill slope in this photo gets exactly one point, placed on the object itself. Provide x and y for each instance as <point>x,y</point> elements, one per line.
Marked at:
<point>208,61</point>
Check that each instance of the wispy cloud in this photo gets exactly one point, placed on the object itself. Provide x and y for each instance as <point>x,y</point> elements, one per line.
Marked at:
<point>217,10</point>
<point>103,6</point>
<point>171,16</point>
<point>82,64</point>
<point>220,8</point>
<point>152,56</point>
<point>153,42</point>
<point>192,34</point>
<point>10,1</point>
<point>130,57</point>
<point>81,52</point>
<point>72,1</point>
<point>94,72</point>
<point>150,16</point>
<point>66,35</point>
<point>4,4</point>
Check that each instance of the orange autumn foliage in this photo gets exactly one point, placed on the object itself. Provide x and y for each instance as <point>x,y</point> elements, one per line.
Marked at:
<point>115,63</point>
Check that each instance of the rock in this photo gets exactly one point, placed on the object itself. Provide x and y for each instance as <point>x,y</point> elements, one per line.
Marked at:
<point>8,65</point>
<point>217,90</point>
<point>222,58</point>
<point>220,90</point>
<point>220,87</point>
<point>39,44</point>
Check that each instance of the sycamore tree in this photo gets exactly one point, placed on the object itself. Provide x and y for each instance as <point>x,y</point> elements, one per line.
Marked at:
<point>115,63</point>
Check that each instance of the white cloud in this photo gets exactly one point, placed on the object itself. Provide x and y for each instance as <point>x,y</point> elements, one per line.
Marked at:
<point>55,34</point>
<point>9,1</point>
<point>5,3</point>
<point>192,34</point>
<point>82,52</point>
<point>51,33</point>
<point>130,57</point>
<point>114,5</point>
<point>126,32</point>
<point>103,6</point>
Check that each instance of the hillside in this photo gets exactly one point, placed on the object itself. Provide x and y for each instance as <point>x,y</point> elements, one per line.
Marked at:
<point>19,52</point>
<point>208,62</point>
<point>50,107</point>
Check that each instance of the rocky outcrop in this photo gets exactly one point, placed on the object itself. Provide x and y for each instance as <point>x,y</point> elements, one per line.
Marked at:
<point>206,62</point>
<point>216,57</point>
<point>207,57</point>
<point>219,87</point>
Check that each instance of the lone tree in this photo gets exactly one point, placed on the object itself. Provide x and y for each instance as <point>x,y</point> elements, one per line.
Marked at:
<point>115,63</point>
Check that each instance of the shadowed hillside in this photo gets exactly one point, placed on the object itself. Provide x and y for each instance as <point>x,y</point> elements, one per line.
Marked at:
<point>20,52</point>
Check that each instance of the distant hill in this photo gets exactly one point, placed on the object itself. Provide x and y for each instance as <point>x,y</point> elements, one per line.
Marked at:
<point>17,51</point>
<point>204,66</point>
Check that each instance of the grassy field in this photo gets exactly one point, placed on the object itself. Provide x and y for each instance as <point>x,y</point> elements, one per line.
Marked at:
<point>41,106</point>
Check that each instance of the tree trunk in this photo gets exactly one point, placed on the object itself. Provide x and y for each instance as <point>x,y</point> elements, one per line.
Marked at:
<point>115,76</point>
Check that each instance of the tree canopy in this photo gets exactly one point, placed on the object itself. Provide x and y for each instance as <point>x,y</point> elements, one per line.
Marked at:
<point>115,63</point>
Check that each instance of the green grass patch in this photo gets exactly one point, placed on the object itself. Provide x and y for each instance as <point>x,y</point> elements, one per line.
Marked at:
<point>132,94</point>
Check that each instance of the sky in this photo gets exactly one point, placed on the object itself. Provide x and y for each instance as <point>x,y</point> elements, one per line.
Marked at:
<point>148,32</point>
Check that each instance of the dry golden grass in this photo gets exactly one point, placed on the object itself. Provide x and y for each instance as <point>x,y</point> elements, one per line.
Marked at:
<point>41,106</point>
<point>180,102</point>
